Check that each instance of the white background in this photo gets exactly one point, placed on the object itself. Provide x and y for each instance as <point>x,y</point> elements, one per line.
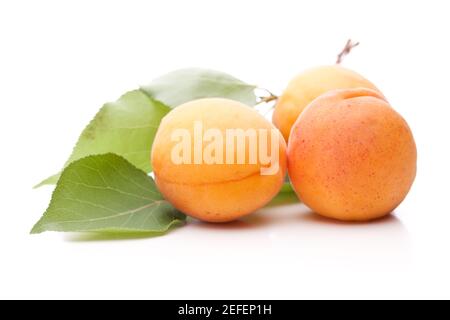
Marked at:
<point>61,60</point>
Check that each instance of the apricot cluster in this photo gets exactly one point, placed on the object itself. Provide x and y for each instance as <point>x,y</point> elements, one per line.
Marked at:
<point>349,155</point>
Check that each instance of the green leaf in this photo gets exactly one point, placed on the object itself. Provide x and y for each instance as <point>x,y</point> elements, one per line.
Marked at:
<point>105,193</point>
<point>50,180</point>
<point>286,195</point>
<point>126,127</point>
<point>184,85</point>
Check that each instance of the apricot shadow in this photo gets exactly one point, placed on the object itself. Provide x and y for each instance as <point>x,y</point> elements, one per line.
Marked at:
<point>250,222</point>
<point>312,217</point>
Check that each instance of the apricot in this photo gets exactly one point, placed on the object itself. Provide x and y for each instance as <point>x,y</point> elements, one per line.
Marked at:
<point>351,156</point>
<point>307,86</point>
<point>217,159</point>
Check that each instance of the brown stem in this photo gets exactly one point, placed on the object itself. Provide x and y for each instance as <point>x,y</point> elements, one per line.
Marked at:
<point>271,97</point>
<point>347,49</point>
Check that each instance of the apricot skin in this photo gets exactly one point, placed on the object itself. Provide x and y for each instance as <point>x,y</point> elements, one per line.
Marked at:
<point>351,156</point>
<point>214,192</point>
<point>307,86</point>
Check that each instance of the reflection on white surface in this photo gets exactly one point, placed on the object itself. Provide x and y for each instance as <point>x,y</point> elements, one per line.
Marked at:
<point>293,234</point>
<point>283,236</point>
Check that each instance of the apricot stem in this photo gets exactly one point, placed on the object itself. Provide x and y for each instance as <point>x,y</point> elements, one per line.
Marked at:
<point>347,49</point>
<point>271,97</point>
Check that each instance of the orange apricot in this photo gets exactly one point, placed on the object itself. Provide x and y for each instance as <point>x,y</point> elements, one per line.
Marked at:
<point>351,156</point>
<point>307,86</point>
<point>217,159</point>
